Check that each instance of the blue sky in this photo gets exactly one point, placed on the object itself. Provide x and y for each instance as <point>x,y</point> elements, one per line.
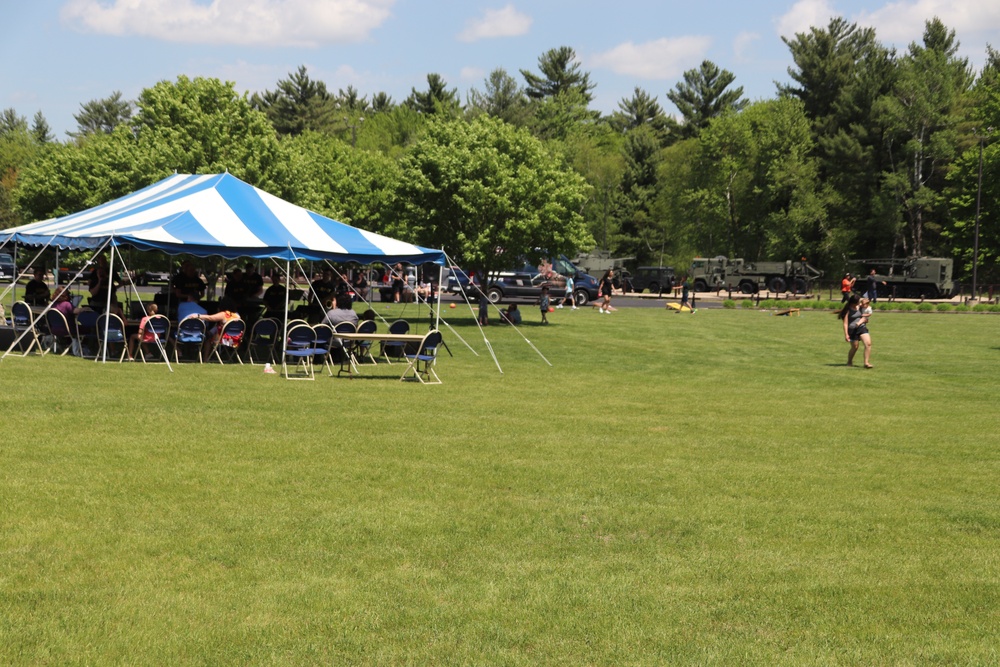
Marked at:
<point>58,54</point>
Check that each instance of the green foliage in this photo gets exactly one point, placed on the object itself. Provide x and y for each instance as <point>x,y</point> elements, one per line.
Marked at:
<point>962,308</point>
<point>982,308</point>
<point>487,192</point>
<point>560,75</point>
<point>728,303</point>
<point>201,126</point>
<point>746,303</point>
<point>102,116</point>
<point>356,187</point>
<point>501,98</point>
<point>925,307</point>
<point>702,96</point>
<point>436,100</point>
<point>945,307</point>
<point>903,306</point>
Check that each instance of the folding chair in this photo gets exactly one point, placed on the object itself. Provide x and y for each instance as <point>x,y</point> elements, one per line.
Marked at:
<point>115,335</point>
<point>23,319</point>
<point>86,332</point>
<point>347,361</point>
<point>363,348</point>
<point>399,327</point>
<point>160,326</point>
<point>323,345</point>
<point>228,341</point>
<point>56,321</point>
<point>263,339</point>
<point>422,363</point>
<point>300,348</point>
<point>190,333</point>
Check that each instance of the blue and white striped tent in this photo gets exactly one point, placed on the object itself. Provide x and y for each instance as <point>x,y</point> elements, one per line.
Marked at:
<point>218,214</point>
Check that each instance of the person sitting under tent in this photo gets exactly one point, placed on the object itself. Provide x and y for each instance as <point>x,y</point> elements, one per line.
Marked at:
<point>360,285</point>
<point>227,312</point>
<point>341,310</point>
<point>323,290</point>
<point>36,292</point>
<point>275,297</point>
<point>190,306</point>
<point>144,334</point>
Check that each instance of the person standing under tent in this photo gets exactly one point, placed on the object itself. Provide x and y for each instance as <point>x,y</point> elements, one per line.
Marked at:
<point>187,282</point>
<point>323,290</point>
<point>101,282</point>
<point>254,281</point>
<point>398,279</point>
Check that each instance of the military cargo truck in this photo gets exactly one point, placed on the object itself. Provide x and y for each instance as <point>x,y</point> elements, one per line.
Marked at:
<point>738,275</point>
<point>913,278</point>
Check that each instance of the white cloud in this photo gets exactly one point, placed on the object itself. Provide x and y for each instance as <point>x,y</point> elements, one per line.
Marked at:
<point>804,15</point>
<point>660,59</point>
<point>743,42</point>
<point>307,23</point>
<point>506,22</point>
<point>471,73</point>
<point>903,22</point>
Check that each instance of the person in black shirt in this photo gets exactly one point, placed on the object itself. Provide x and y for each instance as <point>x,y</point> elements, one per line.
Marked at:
<point>101,282</point>
<point>254,281</point>
<point>188,283</point>
<point>274,298</point>
<point>36,292</point>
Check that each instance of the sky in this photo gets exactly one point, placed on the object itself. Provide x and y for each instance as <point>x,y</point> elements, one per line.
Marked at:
<point>60,54</point>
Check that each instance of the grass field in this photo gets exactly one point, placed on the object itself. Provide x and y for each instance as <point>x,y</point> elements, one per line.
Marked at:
<point>708,489</point>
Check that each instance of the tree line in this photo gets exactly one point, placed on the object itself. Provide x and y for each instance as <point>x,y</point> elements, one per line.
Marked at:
<point>867,152</point>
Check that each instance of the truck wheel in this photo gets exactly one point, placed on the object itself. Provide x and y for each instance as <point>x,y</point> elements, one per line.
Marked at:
<point>654,287</point>
<point>777,285</point>
<point>747,287</point>
<point>801,286</point>
<point>700,286</point>
<point>581,297</point>
<point>494,295</point>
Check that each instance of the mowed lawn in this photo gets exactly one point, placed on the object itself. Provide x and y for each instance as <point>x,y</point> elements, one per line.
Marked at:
<point>715,488</point>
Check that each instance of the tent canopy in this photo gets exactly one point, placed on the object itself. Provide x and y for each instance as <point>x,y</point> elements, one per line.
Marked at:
<point>218,214</point>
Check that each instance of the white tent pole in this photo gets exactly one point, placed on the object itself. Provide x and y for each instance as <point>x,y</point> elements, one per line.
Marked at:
<point>284,339</point>
<point>437,323</point>
<point>107,308</point>
<point>160,345</point>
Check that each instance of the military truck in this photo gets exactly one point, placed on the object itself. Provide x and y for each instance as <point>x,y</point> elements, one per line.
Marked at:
<point>913,278</point>
<point>723,273</point>
<point>597,262</point>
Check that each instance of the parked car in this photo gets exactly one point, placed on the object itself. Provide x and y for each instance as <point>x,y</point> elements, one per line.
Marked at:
<point>459,281</point>
<point>526,283</point>
<point>7,270</point>
<point>656,279</point>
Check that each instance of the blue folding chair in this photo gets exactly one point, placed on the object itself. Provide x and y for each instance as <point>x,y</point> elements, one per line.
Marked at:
<point>347,360</point>
<point>115,336</point>
<point>57,324</point>
<point>190,334</point>
<point>86,332</point>
<point>160,326</point>
<point>300,348</point>
<point>228,342</point>
<point>263,339</point>
<point>422,363</point>
<point>23,320</point>
<point>363,348</point>
<point>323,346</point>
<point>395,348</point>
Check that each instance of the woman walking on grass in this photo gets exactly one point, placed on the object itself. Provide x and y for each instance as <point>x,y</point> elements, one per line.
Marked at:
<point>607,285</point>
<point>856,329</point>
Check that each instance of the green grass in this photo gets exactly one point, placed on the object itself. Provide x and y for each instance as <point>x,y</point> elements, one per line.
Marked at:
<point>676,489</point>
